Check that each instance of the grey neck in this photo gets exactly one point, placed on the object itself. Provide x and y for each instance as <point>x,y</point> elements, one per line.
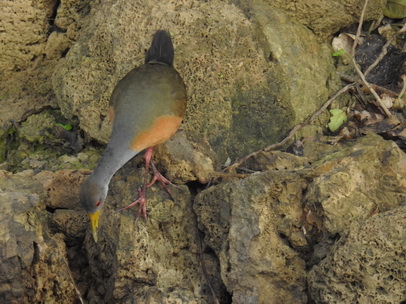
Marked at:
<point>110,162</point>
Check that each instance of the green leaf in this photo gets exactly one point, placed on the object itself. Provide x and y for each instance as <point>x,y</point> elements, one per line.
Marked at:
<point>337,119</point>
<point>395,9</point>
<point>338,53</point>
<point>67,127</point>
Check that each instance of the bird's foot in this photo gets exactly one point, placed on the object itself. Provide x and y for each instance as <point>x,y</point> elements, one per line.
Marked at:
<point>142,202</point>
<point>162,180</point>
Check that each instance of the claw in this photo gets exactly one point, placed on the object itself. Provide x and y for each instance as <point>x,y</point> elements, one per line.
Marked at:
<point>162,180</point>
<point>142,201</point>
<point>142,192</point>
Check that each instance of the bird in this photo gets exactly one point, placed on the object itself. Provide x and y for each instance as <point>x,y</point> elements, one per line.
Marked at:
<point>146,108</point>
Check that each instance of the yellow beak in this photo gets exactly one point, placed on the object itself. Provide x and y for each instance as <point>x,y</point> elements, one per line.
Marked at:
<point>94,222</point>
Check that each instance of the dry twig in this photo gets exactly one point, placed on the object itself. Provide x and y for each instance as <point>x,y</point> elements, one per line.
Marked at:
<point>370,88</point>
<point>360,74</point>
<point>376,87</point>
<point>294,130</point>
<point>73,282</point>
<point>204,269</point>
<point>384,50</point>
<point>402,92</point>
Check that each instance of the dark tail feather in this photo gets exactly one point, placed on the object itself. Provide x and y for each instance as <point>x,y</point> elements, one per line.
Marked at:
<point>161,49</point>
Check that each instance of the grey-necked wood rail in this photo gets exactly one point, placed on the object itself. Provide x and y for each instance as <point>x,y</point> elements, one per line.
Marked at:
<point>146,107</point>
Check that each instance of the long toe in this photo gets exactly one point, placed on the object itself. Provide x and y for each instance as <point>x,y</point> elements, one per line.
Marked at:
<point>162,180</point>
<point>142,202</point>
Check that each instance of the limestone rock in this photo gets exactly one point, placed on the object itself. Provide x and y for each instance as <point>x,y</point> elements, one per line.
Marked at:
<point>148,261</point>
<point>249,223</point>
<point>34,35</point>
<point>260,233</point>
<point>24,92</point>
<point>156,259</point>
<point>185,162</point>
<point>38,128</point>
<point>291,49</point>
<point>239,71</point>
<point>266,227</point>
<point>367,266</point>
<point>357,181</point>
<point>327,17</point>
<point>62,187</point>
<point>24,27</point>
<point>33,268</point>
<point>69,16</point>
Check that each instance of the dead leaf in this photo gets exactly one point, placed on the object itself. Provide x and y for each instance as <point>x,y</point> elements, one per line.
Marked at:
<point>403,133</point>
<point>344,41</point>
<point>387,101</point>
<point>368,118</point>
<point>399,103</point>
<point>393,120</point>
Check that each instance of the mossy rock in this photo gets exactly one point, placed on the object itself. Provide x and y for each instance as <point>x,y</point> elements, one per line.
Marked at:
<point>38,128</point>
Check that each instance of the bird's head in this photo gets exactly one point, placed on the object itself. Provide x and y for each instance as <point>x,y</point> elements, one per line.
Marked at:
<point>92,197</point>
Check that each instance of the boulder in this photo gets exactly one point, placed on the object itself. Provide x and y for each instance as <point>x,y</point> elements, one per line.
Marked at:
<point>34,267</point>
<point>270,226</point>
<point>247,78</point>
<point>365,266</point>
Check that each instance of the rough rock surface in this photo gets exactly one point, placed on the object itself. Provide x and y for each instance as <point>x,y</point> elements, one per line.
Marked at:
<point>148,261</point>
<point>323,18</point>
<point>230,64</point>
<point>24,27</point>
<point>357,181</point>
<point>243,221</point>
<point>47,143</point>
<point>367,266</point>
<point>186,160</point>
<point>47,254</point>
<point>261,233</point>
<point>34,34</point>
<point>29,29</point>
<point>34,267</point>
<point>252,72</point>
<point>267,227</point>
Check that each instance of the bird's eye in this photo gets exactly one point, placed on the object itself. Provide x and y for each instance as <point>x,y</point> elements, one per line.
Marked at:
<point>98,204</point>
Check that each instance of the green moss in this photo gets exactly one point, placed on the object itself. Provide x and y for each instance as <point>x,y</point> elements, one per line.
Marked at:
<point>8,141</point>
<point>38,128</point>
<point>38,145</point>
<point>42,157</point>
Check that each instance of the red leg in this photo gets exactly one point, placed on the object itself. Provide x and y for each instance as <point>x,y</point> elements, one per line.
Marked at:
<point>162,180</point>
<point>142,192</point>
<point>142,201</point>
<point>148,157</point>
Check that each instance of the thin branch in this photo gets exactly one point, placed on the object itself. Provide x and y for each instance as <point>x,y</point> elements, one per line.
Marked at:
<point>73,281</point>
<point>403,88</point>
<point>376,87</point>
<point>204,269</point>
<point>294,130</point>
<point>343,90</point>
<point>373,92</point>
<point>328,102</point>
<point>358,34</point>
<point>384,50</point>
<point>360,74</point>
